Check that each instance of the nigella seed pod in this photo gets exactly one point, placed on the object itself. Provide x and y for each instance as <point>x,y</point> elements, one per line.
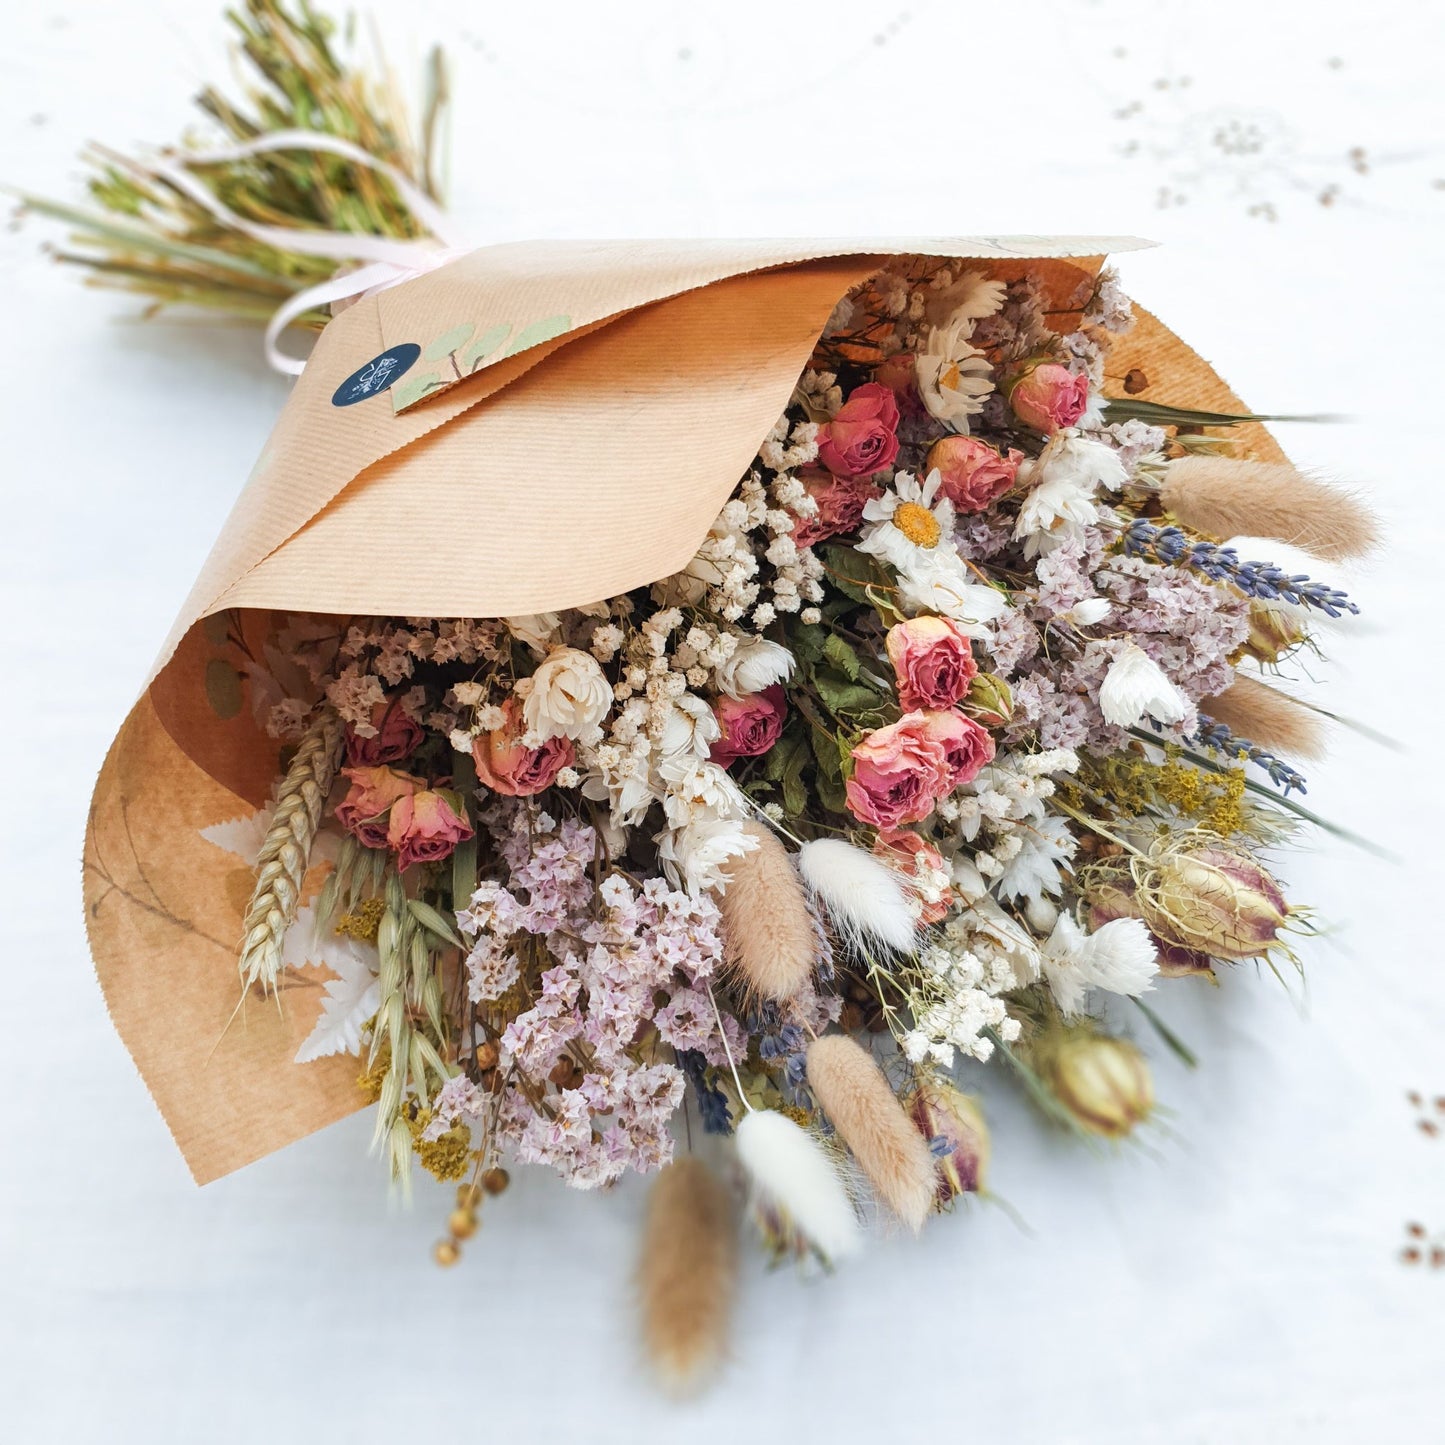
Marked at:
<point>1214,899</point>
<point>957,1136</point>
<point>1118,898</point>
<point>1274,632</point>
<point>1104,1083</point>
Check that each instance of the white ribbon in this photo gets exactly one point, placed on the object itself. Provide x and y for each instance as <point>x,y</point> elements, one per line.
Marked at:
<point>388,260</point>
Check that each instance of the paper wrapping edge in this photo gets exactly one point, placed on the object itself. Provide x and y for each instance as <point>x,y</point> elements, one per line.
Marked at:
<point>231,1095</point>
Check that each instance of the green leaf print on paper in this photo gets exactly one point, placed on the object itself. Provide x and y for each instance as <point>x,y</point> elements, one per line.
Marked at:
<point>414,387</point>
<point>448,342</point>
<point>538,332</point>
<point>484,345</point>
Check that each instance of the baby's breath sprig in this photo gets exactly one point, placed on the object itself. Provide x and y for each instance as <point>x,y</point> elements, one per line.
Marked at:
<point>281,863</point>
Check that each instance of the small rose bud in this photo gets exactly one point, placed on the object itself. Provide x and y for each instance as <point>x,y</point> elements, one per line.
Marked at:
<point>954,1127</point>
<point>1214,899</point>
<point>990,701</point>
<point>1103,1082</point>
<point>1049,397</point>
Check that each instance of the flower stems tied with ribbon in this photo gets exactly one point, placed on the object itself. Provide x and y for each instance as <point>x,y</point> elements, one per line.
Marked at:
<point>315,195</point>
<point>385,260</point>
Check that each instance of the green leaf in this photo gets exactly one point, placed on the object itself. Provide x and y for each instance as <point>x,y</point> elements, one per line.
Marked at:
<point>776,763</point>
<point>825,750</point>
<point>842,656</point>
<point>852,572</point>
<point>842,696</point>
<point>217,627</point>
<point>223,688</point>
<point>1158,413</point>
<point>806,642</point>
<point>795,794</point>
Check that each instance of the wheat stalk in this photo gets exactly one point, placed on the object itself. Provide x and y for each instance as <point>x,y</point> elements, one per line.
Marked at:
<point>281,863</point>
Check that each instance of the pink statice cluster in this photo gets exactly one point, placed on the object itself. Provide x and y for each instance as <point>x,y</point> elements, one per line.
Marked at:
<point>631,962</point>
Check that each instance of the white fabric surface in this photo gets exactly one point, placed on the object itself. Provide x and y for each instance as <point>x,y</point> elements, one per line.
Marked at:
<point>1237,1279</point>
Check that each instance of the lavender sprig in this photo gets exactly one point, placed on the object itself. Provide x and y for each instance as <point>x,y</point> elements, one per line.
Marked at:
<point>1217,738</point>
<point>1262,580</point>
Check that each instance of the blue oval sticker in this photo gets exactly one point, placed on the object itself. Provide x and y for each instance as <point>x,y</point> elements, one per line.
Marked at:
<point>378,374</point>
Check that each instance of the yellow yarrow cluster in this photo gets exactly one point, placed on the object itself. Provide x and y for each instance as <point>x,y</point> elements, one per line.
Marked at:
<point>363,922</point>
<point>1133,787</point>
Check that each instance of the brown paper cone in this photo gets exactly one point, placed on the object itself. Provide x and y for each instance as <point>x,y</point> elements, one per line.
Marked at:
<point>577,416</point>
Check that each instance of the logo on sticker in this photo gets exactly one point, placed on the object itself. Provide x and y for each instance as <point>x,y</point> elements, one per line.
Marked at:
<point>378,374</point>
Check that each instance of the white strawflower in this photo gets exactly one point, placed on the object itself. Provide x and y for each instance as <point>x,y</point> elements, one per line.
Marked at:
<point>1118,957</point>
<point>1065,481</point>
<point>1135,687</point>
<point>756,664</point>
<point>1087,613</point>
<point>695,856</point>
<point>537,629</point>
<point>570,696</point>
<point>954,376</point>
<point>690,730</point>
<point>945,587</point>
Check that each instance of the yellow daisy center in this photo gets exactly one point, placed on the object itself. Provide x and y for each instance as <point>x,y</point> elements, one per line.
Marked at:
<point>918,524</point>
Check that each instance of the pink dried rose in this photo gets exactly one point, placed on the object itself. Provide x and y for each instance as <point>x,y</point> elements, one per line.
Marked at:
<point>973,474</point>
<point>840,505</point>
<point>364,811</point>
<point>933,662</point>
<point>967,748</point>
<point>898,773</point>
<point>397,736</point>
<point>506,767</point>
<point>427,826</point>
<point>750,724</point>
<point>1049,397</point>
<point>902,848</point>
<point>862,438</point>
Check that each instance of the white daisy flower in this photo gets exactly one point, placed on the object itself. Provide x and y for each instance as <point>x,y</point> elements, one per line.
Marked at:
<point>911,523</point>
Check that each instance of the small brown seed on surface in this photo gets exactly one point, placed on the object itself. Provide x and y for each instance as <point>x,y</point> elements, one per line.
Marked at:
<point>447,1252</point>
<point>495,1180</point>
<point>487,1055</point>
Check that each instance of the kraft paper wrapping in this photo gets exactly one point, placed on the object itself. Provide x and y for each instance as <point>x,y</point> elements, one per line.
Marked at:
<point>577,416</point>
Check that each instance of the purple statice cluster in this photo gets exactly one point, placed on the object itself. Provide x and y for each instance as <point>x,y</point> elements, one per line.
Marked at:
<point>1187,623</point>
<point>629,963</point>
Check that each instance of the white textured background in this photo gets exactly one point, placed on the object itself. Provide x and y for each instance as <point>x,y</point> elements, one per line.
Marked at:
<point>1237,1281</point>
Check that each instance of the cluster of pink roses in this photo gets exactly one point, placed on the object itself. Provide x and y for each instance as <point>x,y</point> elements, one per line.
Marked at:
<point>860,441</point>
<point>385,808</point>
<point>900,771</point>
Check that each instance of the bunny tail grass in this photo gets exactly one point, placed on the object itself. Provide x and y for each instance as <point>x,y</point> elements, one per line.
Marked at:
<point>1222,497</point>
<point>866,1113</point>
<point>791,1168</point>
<point>767,929</point>
<point>863,896</point>
<point>1251,709</point>
<point>687,1275</point>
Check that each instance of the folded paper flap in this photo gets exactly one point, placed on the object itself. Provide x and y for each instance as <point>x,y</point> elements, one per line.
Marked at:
<point>502,300</point>
<point>319,447</point>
